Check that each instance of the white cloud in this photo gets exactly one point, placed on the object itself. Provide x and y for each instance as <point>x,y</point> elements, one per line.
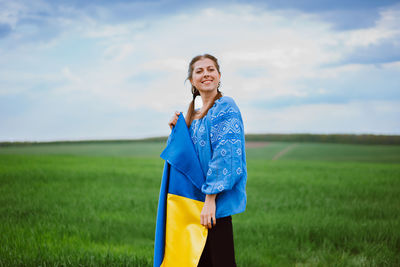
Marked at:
<point>374,117</point>
<point>240,36</point>
<point>119,52</point>
<point>10,11</point>
<point>264,55</point>
<point>70,76</point>
<point>386,27</point>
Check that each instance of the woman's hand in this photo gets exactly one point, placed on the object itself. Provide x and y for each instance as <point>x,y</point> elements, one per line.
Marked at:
<point>208,212</point>
<point>174,119</point>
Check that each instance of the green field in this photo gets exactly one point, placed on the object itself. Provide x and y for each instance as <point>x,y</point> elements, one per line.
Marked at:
<point>95,205</point>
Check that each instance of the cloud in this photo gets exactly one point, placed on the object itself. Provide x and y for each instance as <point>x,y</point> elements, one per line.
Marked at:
<point>275,63</point>
<point>374,54</point>
<point>357,117</point>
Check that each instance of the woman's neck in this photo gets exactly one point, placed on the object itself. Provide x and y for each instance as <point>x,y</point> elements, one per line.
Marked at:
<point>207,99</point>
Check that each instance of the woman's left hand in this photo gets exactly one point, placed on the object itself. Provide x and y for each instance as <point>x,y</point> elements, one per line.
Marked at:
<point>208,212</point>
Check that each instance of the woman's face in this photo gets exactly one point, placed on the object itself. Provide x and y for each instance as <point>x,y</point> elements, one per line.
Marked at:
<point>205,76</point>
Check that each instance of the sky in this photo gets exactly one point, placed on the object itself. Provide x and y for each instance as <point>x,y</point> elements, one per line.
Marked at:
<point>73,70</point>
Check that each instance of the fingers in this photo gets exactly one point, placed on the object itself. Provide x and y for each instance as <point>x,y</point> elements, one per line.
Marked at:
<point>171,123</point>
<point>203,220</point>
<point>212,222</point>
<point>174,119</point>
<point>208,220</point>
<point>207,215</point>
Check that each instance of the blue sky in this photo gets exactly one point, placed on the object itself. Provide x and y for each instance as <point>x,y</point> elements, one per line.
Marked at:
<point>73,70</point>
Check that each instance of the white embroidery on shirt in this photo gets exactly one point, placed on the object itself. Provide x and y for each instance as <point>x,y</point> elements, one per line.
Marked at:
<point>222,113</point>
<point>229,127</point>
<point>223,152</point>
<point>194,129</point>
<point>194,139</point>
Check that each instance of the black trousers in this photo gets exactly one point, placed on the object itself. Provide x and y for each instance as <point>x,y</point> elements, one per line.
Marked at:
<point>219,248</point>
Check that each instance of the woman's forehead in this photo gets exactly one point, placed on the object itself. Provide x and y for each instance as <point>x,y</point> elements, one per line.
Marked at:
<point>203,63</point>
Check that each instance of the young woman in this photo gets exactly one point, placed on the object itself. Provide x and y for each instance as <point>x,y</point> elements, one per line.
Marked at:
<point>217,134</point>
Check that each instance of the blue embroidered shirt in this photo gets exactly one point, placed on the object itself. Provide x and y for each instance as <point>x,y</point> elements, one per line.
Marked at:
<point>218,139</point>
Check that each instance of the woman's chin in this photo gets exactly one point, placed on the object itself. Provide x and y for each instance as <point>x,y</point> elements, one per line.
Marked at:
<point>207,89</point>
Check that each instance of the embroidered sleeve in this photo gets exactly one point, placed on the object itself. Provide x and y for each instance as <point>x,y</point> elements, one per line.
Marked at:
<point>227,142</point>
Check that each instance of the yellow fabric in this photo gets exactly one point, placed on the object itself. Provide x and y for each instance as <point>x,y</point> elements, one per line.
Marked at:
<point>185,237</point>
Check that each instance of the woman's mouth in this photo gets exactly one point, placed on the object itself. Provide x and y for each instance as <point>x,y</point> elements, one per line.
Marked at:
<point>207,81</point>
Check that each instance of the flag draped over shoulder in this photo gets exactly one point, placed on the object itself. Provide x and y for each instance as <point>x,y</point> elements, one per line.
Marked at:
<point>180,238</point>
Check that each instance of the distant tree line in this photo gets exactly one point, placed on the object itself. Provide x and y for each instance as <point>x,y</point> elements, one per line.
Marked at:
<point>328,138</point>
<point>322,138</point>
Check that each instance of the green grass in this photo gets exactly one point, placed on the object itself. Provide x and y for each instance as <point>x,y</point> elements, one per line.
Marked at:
<point>95,205</point>
<point>134,149</point>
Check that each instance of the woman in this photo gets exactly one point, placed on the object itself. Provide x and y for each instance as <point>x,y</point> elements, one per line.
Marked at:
<point>217,134</point>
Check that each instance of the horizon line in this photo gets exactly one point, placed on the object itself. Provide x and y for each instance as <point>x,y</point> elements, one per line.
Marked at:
<point>160,138</point>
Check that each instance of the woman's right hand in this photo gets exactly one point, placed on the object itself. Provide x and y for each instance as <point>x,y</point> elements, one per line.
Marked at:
<point>174,119</point>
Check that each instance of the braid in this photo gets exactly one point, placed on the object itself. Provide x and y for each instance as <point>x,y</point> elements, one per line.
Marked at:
<point>190,112</point>
<point>195,92</point>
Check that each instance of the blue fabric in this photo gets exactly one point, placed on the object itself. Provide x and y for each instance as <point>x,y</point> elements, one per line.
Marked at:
<point>219,141</point>
<point>159,241</point>
<point>182,176</point>
<point>181,154</point>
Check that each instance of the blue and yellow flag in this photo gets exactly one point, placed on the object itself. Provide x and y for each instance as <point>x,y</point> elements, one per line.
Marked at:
<point>180,238</point>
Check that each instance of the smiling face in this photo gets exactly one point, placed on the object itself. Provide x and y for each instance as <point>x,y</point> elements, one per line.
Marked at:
<point>205,76</point>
